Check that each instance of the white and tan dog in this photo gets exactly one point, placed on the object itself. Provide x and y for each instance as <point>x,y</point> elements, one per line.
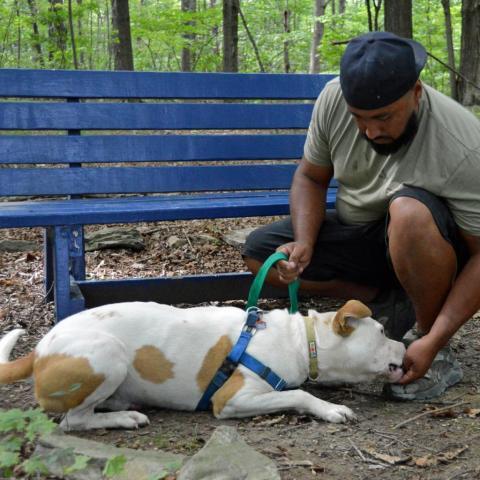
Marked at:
<point>126,354</point>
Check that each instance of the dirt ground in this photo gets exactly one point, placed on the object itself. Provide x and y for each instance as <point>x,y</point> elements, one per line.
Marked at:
<point>391,440</point>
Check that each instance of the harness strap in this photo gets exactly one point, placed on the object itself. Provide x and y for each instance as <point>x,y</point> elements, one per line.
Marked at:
<point>276,382</point>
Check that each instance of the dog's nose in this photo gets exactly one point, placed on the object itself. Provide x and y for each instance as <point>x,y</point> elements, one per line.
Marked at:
<point>392,367</point>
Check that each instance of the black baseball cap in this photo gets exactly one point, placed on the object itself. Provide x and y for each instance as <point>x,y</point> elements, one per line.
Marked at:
<point>378,68</point>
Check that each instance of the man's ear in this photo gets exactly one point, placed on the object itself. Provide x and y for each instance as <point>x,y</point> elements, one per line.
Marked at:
<point>353,310</point>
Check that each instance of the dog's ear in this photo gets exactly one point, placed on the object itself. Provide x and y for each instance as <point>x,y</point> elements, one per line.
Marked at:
<point>352,309</point>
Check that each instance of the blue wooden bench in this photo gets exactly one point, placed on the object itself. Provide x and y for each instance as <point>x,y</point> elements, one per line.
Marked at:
<point>181,145</point>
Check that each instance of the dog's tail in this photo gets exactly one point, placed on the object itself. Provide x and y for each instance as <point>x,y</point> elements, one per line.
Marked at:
<point>18,369</point>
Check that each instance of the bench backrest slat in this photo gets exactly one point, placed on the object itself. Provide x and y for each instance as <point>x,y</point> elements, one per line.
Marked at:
<point>161,116</point>
<point>84,181</point>
<point>23,149</point>
<point>98,84</point>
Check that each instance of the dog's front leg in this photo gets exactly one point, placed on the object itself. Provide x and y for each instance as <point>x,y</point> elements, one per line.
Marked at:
<point>252,399</point>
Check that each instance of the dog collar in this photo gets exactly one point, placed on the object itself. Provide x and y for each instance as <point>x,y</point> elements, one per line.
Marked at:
<point>312,348</point>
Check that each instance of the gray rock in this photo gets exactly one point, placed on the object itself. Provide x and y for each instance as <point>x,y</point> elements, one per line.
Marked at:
<point>18,246</point>
<point>129,238</point>
<point>58,451</point>
<point>176,242</point>
<point>226,456</point>
<point>237,238</point>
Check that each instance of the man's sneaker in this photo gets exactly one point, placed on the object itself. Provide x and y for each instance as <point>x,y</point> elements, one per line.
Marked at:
<point>394,310</point>
<point>444,372</point>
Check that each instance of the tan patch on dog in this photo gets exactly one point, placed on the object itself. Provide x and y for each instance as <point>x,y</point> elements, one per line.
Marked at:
<point>17,370</point>
<point>63,382</point>
<point>212,361</point>
<point>152,365</point>
<point>229,389</point>
<point>353,308</point>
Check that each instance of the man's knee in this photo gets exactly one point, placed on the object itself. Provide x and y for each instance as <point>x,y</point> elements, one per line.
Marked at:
<point>409,218</point>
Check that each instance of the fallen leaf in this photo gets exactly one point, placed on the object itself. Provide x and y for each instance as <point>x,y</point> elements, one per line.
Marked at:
<point>472,412</point>
<point>427,461</point>
<point>450,455</point>
<point>390,459</point>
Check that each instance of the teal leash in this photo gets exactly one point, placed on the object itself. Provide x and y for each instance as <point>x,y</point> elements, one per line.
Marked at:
<point>259,280</point>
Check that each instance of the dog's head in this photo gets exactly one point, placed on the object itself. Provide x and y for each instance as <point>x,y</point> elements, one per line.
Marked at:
<point>352,346</point>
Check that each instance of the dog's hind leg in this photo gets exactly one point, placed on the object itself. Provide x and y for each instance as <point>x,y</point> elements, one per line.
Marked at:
<point>76,382</point>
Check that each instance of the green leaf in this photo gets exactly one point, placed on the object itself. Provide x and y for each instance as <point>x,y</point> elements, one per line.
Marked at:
<point>34,465</point>
<point>115,466</point>
<point>8,459</point>
<point>11,444</point>
<point>13,419</point>
<point>38,425</point>
<point>80,463</point>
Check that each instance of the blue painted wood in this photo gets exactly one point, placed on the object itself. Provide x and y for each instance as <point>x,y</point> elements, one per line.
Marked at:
<point>68,298</point>
<point>97,84</point>
<point>83,181</point>
<point>153,116</point>
<point>147,148</point>
<point>146,209</point>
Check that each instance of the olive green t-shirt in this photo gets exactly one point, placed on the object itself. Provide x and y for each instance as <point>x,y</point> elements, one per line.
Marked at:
<point>443,158</point>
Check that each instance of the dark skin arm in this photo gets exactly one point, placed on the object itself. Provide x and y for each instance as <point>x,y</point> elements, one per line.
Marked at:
<point>307,210</point>
<point>461,304</point>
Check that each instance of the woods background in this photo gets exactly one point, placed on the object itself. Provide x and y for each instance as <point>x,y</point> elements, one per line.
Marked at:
<point>237,35</point>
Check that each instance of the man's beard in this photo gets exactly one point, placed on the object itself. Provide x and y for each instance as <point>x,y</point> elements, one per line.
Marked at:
<point>388,148</point>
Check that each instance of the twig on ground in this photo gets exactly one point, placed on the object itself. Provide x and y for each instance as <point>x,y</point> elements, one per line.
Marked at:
<point>429,412</point>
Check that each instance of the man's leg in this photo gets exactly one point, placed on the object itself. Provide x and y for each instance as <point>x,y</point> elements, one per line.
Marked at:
<point>348,262</point>
<point>426,254</point>
<point>424,262</point>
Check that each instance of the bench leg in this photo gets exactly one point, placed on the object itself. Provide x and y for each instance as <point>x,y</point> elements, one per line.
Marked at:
<point>69,262</point>
<point>48,263</point>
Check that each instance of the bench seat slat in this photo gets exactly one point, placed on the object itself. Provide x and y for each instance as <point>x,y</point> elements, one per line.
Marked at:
<point>103,84</point>
<point>143,148</point>
<point>159,116</point>
<point>145,209</point>
<point>85,181</point>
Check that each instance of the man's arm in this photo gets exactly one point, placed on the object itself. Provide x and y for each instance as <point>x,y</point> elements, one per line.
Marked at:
<point>461,304</point>
<point>307,209</point>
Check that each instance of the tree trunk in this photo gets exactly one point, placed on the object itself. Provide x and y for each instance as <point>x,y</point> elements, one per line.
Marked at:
<point>450,51</point>
<point>230,35</point>
<point>121,36</point>
<point>37,47</point>
<point>57,32</point>
<point>188,6</point>
<point>72,35</point>
<point>318,27</point>
<point>252,40</point>
<point>286,50</point>
<point>341,6</point>
<point>468,87</point>
<point>398,17</point>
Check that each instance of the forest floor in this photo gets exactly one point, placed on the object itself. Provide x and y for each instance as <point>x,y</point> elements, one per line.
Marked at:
<point>391,440</point>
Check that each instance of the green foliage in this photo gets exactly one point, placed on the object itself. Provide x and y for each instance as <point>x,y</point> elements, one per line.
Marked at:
<point>160,31</point>
<point>18,430</point>
<point>114,466</point>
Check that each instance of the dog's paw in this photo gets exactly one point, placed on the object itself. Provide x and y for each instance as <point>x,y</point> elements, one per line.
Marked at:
<point>338,414</point>
<point>131,419</point>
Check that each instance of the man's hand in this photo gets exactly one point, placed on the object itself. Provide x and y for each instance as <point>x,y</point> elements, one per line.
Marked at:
<point>299,256</point>
<point>418,359</point>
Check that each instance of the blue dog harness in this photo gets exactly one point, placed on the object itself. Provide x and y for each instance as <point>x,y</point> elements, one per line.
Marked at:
<point>238,354</point>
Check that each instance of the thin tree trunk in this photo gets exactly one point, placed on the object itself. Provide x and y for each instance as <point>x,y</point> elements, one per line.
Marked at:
<point>378,6</point>
<point>230,35</point>
<point>286,29</point>
<point>369,15</point>
<point>72,35</point>
<point>318,28</point>
<point>57,32</point>
<point>341,6</point>
<point>122,38</point>
<point>37,47</point>
<point>450,50</point>
<point>252,40</point>
<point>188,6</point>
<point>469,84</point>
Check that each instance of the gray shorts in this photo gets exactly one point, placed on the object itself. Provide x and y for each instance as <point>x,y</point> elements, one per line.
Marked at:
<point>356,253</point>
